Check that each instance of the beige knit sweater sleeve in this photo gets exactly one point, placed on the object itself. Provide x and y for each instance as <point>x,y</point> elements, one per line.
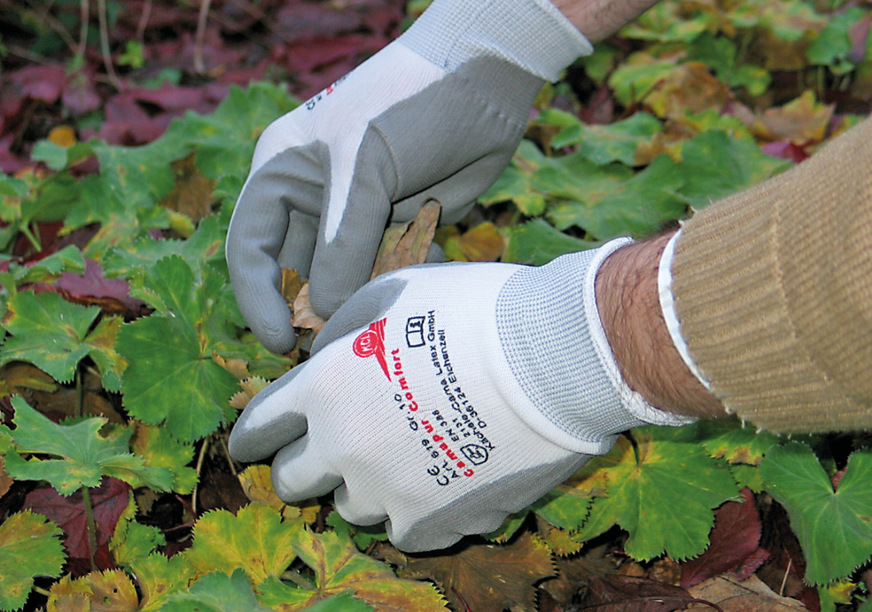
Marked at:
<point>773,293</point>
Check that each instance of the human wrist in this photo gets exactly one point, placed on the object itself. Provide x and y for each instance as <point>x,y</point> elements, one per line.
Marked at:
<point>629,307</point>
<point>599,19</point>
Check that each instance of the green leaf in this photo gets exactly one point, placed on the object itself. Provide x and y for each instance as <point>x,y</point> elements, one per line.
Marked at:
<point>170,352</point>
<point>30,546</point>
<point>255,540</point>
<point>160,450</point>
<point>832,46</point>
<point>537,242</point>
<point>833,527</point>
<point>729,439</point>
<point>53,334</point>
<point>716,166</point>
<point>603,144</point>
<point>638,205</point>
<point>85,455</point>
<point>40,321</point>
<point>131,541</point>
<point>216,593</point>
<point>649,481</point>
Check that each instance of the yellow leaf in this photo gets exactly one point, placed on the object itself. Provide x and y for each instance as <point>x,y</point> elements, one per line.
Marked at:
<point>63,136</point>
<point>109,591</point>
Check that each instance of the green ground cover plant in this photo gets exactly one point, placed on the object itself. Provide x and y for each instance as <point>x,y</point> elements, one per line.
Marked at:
<point>125,361</point>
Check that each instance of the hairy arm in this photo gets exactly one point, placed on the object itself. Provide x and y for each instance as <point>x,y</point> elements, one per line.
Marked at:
<point>599,19</point>
<point>627,298</point>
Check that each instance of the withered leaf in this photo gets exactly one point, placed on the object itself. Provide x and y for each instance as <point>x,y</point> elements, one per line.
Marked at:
<point>407,244</point>
<point>752,595</point>
<point>192,192</point>
<point>488,576</point>
<point>616,593</point>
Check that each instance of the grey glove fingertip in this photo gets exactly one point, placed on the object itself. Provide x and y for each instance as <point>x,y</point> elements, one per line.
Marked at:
<point>300,472</point>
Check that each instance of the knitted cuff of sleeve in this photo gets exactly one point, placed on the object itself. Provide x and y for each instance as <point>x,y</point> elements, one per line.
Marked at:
<point>773,293</point>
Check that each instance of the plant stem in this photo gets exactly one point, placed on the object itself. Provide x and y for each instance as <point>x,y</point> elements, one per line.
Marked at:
<point>92,526</point>
<point>80,392</point>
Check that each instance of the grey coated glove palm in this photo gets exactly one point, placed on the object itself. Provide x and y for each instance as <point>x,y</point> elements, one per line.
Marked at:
<point>443,398</point>
<point>436,114</point>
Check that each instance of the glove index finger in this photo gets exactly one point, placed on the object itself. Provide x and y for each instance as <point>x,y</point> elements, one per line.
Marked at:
<point>348,239</point>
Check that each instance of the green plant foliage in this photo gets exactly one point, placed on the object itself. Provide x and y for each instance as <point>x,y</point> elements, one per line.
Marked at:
<point>84,455</point>
<point>216,592</point>
<point>46,270</point>
<point>338,567</point>
<point>834,527</point>
<point>170,353</point>
<point>30,546</point>
<point>36,321</point>
<point>255,540</point>
<point>644,481</point>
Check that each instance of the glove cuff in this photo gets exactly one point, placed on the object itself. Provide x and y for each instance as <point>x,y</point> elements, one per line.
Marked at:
<point>554,341</point>
<point>531,34</point>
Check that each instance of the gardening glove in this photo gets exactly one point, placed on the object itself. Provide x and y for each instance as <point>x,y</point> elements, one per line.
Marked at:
<point>435,115</point>
<point>442,398</point>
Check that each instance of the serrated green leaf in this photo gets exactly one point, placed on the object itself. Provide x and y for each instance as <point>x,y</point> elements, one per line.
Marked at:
<point>85,455</point>
<point>30,546</point>
<point>167,364</point>
<point>255,540</point>
<point>216,593</point>
<point>131,541</point>
<point>48,332</point>
<point>46,270</point>
<point>834,528</point>
<point>653,480</point>
<point>832,46</point>
<point>729,439</point>
<point>339,566</point>
<point>159,449</point>
<point>170,352</point>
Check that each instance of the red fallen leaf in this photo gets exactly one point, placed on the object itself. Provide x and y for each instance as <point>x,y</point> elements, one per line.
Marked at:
<point>80,94</point>
<point>109,500</point>
<point>734,540</point>
<point>785,149</point>
<point>39,82</point>
<point>304,21</point>
<point>92,288</point>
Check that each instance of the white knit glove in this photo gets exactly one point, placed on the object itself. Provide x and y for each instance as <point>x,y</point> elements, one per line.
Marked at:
<point>436,114</point>
<point>443,398</point>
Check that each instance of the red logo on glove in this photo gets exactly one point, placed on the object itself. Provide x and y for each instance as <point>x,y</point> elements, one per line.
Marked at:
<point>372,342</point>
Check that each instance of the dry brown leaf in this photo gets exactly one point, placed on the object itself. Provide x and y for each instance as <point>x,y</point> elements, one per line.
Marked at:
<point>192,192</point>
<point>752,595</point>
<point>690,87</point>
<point>5,480</point>
<point>250,388</point>
<point>401,246</point>
<point>488,576</point>
<point>305,316</point>
<point>407,244</point>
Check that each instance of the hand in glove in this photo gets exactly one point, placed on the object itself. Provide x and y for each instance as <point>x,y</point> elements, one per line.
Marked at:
<point>436,114</point>
<point>443,398</point>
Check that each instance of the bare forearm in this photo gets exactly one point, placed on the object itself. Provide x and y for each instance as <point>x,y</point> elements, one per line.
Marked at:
<point>627,298</point>
<point>599,19</point>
